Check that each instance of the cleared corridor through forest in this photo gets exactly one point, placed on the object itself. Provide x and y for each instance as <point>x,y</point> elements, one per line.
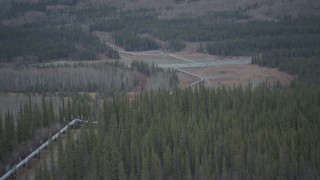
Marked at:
<point>186,72</point>
<point>190,63</point>
<point>180,61</point>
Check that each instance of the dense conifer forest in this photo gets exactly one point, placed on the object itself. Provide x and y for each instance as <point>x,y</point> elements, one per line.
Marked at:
<point>35,122</point>
<point>268,132</point>
<point>33,45</point>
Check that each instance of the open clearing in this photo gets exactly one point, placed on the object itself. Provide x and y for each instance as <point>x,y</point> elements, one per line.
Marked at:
<point>230,75</point>
<point>214,70</point>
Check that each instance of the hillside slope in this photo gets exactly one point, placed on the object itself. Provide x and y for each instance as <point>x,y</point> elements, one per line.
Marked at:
<point>258,8</point>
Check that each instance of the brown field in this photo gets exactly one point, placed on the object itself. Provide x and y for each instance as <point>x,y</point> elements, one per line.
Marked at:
<point>185,80</point>
<point>214,75</point>
<point>232,73</point>
<point>238,75</point>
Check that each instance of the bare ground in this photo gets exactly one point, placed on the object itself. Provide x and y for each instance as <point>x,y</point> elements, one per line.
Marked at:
<point>229,74</point>
<point>185,80</point>
<point>239,75</point>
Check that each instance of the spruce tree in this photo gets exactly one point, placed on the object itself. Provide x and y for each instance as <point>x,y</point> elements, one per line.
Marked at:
<point>9,133</point>
<point>1,139</point>
<point>122,172</point>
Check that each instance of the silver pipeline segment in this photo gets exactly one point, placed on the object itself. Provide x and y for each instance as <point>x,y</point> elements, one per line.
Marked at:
<point>43,146</point>
<point>200,78</point>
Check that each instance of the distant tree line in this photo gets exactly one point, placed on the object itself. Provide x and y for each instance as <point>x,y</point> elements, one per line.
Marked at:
<point>17,6</point>
<point>107,78</point>
<point>15,9</point>
<point>252,38</point>
<point>163,80</point>
<point>175,45</point>
<point>126,30</point>
<point>303,63</point>
<point>290,45</point>
<point>132,42</point>
<point>110,77</point>
<point>41,44</point>
<point>145,67</point>
<point>158,77</point>
<point>223,30</point>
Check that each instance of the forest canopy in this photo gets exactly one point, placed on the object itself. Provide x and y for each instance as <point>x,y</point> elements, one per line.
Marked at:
<point>30,45</point>
<point>223,133</point>
<point>267,132</point>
